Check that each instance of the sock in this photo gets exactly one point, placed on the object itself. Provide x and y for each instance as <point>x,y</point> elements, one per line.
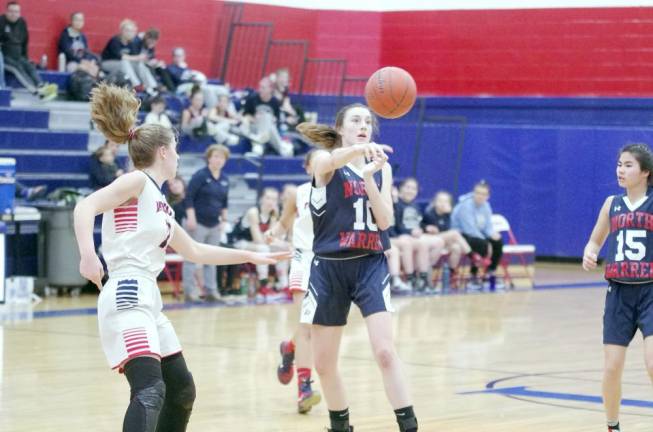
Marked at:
<point>396,280</point>
<point>412,277</point>
<point>263,282</point>
<point>613,426</point>
<point>303,376</point>
<point>406,419</point>
<point>339,420</point>
<point>424,276</point>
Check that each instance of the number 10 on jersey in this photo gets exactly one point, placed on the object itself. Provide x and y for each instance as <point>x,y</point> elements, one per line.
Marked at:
<point>364,217</point>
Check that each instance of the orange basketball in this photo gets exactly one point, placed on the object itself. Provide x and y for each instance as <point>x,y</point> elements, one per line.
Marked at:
<point>390,92</point>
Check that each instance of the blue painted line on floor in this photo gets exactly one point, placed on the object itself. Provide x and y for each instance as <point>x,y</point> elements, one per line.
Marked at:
<point>254,302</point>
<point>526,392</point>
<point>571,285</point>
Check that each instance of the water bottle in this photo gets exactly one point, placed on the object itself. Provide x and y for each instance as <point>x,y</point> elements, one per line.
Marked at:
<point>62,62</point>
<point>44,62</point>
<point>244,283</point>
<point>446,275</point>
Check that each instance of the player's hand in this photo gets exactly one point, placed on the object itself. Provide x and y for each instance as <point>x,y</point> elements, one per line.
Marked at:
<point>91,268</point>
<point>373,150</point>
<point>375,165</point>
<point>589,261</point>
<point>432,229</point>
<point>269,257</point>
<point>416,232</point>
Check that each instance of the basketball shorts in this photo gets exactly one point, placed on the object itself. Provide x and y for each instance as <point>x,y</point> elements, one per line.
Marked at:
<point>131,322</point>
<point>628,307</point>
<point>300,270</point>
<point>335,283</point>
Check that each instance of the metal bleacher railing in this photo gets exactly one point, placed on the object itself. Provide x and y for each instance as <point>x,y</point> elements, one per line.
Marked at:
<point>250,52</point>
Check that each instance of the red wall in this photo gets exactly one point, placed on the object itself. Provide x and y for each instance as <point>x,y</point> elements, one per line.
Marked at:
<point>601,51</point>
<point>524,52</point>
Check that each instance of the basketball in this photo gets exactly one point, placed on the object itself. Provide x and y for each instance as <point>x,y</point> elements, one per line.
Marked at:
<point>390,92</point>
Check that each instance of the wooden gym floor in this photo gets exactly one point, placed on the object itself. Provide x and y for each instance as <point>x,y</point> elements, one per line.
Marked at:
<point>521,360</point>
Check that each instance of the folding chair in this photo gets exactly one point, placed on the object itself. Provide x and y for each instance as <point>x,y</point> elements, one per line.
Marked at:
<point>512,248</point>
<point>173,270</point>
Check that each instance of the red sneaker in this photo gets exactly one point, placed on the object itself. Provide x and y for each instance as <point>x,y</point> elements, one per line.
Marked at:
<point>286,369</point>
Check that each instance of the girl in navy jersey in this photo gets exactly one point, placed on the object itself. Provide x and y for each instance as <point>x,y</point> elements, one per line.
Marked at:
<point>626,221</point>
<point>351,207</point>
<point>137,227</point>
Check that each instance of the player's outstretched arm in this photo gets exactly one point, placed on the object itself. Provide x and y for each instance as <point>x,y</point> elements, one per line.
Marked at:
<point>598,236</point>
<point>202,253</point>
<point>324,162</point>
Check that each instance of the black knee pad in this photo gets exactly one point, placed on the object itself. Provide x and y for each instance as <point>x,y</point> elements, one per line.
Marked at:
<point>148,392</point>
<point>179,381</point>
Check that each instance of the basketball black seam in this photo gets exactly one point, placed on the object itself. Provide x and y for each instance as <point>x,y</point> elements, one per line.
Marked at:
<point>397,104</point>
<point>379,100</point>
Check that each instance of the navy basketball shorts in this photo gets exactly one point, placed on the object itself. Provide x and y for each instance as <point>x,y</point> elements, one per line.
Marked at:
<point>334,283</point>
<point>628,307</point>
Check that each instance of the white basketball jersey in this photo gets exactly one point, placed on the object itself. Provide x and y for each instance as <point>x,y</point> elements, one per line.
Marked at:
<point>136,234</point>
<point>302,231</point>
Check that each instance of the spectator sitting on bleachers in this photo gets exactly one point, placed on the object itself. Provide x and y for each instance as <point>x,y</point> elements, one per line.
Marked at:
<point>103,168</point>
<point>437,221</point>
<point>417,249</point>
<point>74,45</point>
<point>196,122</point>
<point>157,113</point>
<point>83,80</point>
<point>14,39</point>
<point>472,216</point>
<point>261,121</point>
<point>176,197</point>
<point>206,214</point>
<point>185,79</point>
<point>147,42</point>
<point>226,119</point>
<point>123,54</point>
<point>248,234</point>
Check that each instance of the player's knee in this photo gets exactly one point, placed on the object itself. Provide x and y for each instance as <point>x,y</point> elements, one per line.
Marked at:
<point>325,367</point>
<point>614,367</point>
<point>304,332</point>
<point>385,356</point>
<point>152,396</point>
<point>185,397</point>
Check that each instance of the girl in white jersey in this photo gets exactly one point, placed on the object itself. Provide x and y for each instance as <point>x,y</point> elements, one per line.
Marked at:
<point>296,218</point>
<point>137,227</point>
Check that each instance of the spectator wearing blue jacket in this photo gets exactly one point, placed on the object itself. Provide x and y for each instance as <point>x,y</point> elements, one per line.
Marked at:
<point>472,216</point>
<point>74,45</point>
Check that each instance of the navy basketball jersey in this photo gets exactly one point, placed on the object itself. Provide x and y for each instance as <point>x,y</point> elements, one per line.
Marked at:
<point>342,215</point>
<point>630,242</point>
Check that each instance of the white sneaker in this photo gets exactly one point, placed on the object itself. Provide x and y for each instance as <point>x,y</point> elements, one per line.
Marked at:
<point>401,287</point>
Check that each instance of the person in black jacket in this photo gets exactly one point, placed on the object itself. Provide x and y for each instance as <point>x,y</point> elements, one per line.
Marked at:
<point>147,42</point>
<point>103,168</point>
<point>74,45</point>
<point>14,38</point>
